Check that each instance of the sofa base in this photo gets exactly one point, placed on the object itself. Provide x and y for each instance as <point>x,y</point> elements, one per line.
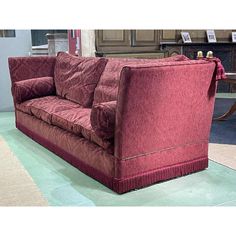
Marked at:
<point>85,168</point>
<point>120,185</point>
<point>169,172</point>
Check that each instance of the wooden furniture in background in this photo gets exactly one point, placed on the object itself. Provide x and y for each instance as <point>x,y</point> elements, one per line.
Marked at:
<point>231,79</point>
<point>226,51</point>
<point>129,43</point>
<point>164,43</point>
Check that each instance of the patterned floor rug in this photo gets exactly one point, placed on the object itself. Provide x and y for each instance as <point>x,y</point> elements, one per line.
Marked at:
<point>224,154</point>
<point>17,188</point>
<point>222,147</point>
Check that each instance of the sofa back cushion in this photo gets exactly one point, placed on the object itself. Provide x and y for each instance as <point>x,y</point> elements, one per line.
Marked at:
<point>77,77</point>
<point>107,88</point>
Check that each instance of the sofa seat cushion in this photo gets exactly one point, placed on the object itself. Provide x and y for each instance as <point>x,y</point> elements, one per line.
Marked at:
<point>24,107</point>
<point>77,121</point>
<point>77,77</point>
<point>103,116</point>
<point>107,88</point>
<point>44,107</point>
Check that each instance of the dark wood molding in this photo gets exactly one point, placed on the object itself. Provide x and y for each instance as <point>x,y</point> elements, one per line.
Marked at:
<point>196,43</point>
<point>138,54</point>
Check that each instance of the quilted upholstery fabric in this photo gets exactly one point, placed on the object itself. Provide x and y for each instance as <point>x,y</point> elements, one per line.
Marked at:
<point>77,121</point>
<point>33,88</point>
<point>177,111</point>
<point>44,107</point>
<point>162,137</point>
<point>77,77</point>
<point>107,88</point>
<point>103,119</point>
<point>22,68</point>
<point>86,151</point>
<point>24,107</point>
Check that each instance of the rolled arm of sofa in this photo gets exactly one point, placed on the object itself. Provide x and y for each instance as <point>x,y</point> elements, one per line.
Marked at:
<point>23,68</point>
<point>33,88</point>
<point>163,107</point>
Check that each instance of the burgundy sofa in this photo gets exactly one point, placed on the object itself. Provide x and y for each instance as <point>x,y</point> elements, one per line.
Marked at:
<point>127,123</point>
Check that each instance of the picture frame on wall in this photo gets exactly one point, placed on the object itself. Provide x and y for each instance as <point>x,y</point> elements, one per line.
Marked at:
<point>234,37</point>
<point>186,37</point>
<point>211,37</point>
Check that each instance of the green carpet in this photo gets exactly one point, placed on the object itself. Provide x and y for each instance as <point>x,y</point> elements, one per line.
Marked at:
<point>64,185</point>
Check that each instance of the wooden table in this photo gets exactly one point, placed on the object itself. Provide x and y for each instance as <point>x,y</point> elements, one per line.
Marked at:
<point>231,79</point>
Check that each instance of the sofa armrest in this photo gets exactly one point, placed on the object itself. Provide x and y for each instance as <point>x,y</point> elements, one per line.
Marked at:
<point>23,68</point>
<point>33,88</point>
<point>103,119</point>
<point>163,107</point>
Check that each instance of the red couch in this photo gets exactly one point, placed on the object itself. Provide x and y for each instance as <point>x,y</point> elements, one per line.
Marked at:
<point>127,123</point>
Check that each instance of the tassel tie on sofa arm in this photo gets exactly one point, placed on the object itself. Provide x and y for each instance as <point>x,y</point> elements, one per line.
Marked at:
<point>219,73</point>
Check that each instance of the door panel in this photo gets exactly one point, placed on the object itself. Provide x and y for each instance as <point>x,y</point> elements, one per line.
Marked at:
<point>145,37</point>
<point>113,37</point>
<point>168,35</point>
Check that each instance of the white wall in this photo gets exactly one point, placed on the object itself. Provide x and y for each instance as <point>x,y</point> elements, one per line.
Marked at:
<point>9,47</point>
<point>88,43</point>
